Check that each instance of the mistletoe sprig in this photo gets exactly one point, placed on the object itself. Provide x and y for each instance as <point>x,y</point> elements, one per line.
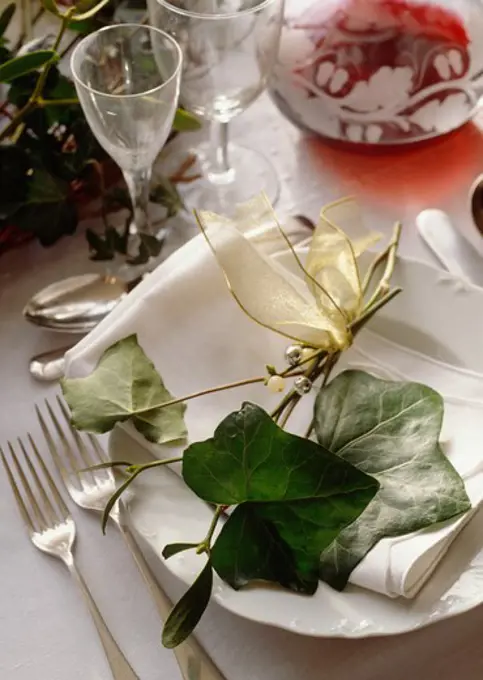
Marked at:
<point>293,510</point>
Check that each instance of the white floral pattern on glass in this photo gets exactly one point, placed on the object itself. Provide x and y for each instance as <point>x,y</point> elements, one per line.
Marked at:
<point>343,88</point>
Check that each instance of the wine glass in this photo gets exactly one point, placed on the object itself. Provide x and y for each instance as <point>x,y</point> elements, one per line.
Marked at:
<point>127,79</point>
<point>229,49</point>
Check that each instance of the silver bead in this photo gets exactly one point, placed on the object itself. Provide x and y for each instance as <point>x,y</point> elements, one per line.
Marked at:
<point>302,385</point>
<point>293,355</point>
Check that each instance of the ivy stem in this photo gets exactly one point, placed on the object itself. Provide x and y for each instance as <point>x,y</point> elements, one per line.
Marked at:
<point>292,398</point>
<point>154,464</point>
<point>202,393</point>
<point>316,356</point>
<point>205,545</point>
<point>42,103</point>
<point>287,406</point>
<point>289,409</point>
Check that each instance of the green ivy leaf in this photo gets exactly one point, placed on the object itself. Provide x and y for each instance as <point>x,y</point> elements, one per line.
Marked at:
<point>125,386</point>
<point>47,211</point>
<point>14,165</point>
<point>142,255</point>
<point>6,17</point>
<point>389,430</point>
<point>250,458</point>
<point>19,66</point>
<point>295,498</point>
<point>175,548</point>
<point>188,611</point>
<point>153,244</point>
<point>249,548</point>
<point>184,121</point>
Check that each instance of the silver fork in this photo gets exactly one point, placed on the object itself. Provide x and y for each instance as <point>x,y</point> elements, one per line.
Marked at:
<point>91,490</point>
<point>52,530</point>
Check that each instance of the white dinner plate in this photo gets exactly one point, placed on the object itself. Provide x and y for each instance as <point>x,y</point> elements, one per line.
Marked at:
<point>436,315</point>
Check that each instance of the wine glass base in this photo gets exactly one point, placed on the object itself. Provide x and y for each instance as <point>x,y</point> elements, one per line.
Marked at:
<point>252,174</point>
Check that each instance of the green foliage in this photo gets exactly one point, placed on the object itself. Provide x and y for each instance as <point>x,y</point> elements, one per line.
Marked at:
<point>389,430</point>
<point>19,66</point>
<point>293,497</point>
<point>298,511</point>
<point>125,386</point>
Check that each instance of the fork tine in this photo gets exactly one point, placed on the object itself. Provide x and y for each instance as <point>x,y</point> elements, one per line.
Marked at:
<point>17,495</point>
<point>101,454</point>
<point>52,447</point>
<point>48,509</point>
<point>97,454</point>
<point>36,511</point>
<point>64,510</point>
<point>86,459</point>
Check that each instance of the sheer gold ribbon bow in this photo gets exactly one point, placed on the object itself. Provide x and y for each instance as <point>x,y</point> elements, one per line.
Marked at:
<point>312,303</point>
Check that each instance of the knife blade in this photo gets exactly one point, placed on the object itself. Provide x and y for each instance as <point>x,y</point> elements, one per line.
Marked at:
<point>450,247</point>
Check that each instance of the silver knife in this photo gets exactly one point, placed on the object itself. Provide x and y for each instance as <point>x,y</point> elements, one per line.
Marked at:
<point>451,248</point>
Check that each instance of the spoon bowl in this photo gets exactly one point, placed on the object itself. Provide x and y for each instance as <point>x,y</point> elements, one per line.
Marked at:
<point>77,304</point>
<point>48,366</point>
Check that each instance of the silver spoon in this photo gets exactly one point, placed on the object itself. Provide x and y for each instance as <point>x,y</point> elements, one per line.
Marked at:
<point>77,304</point>
<point>48,366</point>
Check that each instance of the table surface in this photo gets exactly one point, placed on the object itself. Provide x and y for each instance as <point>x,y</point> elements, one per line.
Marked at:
<point>45,631</point>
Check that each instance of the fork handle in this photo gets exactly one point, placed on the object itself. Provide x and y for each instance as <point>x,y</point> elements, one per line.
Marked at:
<point>119,665</point>
<point>194,663</point>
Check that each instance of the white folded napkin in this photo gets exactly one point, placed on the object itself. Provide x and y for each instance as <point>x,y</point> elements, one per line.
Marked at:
<point>197,337</point>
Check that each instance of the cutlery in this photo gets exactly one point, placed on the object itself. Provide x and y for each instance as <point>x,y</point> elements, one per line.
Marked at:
<point>48,366</point>
<point>77,304</point>
<point>451,248</point>
<point>52,530</point>
<point>91,490</point>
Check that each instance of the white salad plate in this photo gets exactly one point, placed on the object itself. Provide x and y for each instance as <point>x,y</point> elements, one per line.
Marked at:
<point>214,344</point>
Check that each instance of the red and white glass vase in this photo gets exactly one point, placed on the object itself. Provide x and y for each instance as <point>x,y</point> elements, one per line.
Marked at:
<point>380,71</point>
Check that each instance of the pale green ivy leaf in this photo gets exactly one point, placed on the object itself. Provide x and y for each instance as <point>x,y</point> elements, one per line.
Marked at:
<point>125,386</point>
<point>389,430</point>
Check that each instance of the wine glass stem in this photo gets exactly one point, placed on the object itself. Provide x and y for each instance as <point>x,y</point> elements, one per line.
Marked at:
<point>138,183</point>
<point>220,171</point>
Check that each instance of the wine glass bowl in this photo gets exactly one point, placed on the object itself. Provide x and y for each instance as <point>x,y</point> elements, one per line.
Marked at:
<point>127,79</point>
<point>227,57</point>
<point>380,72</point>
<point>229,49</point>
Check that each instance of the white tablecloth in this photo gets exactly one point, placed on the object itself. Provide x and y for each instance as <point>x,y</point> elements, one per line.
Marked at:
<point>45,632</point>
